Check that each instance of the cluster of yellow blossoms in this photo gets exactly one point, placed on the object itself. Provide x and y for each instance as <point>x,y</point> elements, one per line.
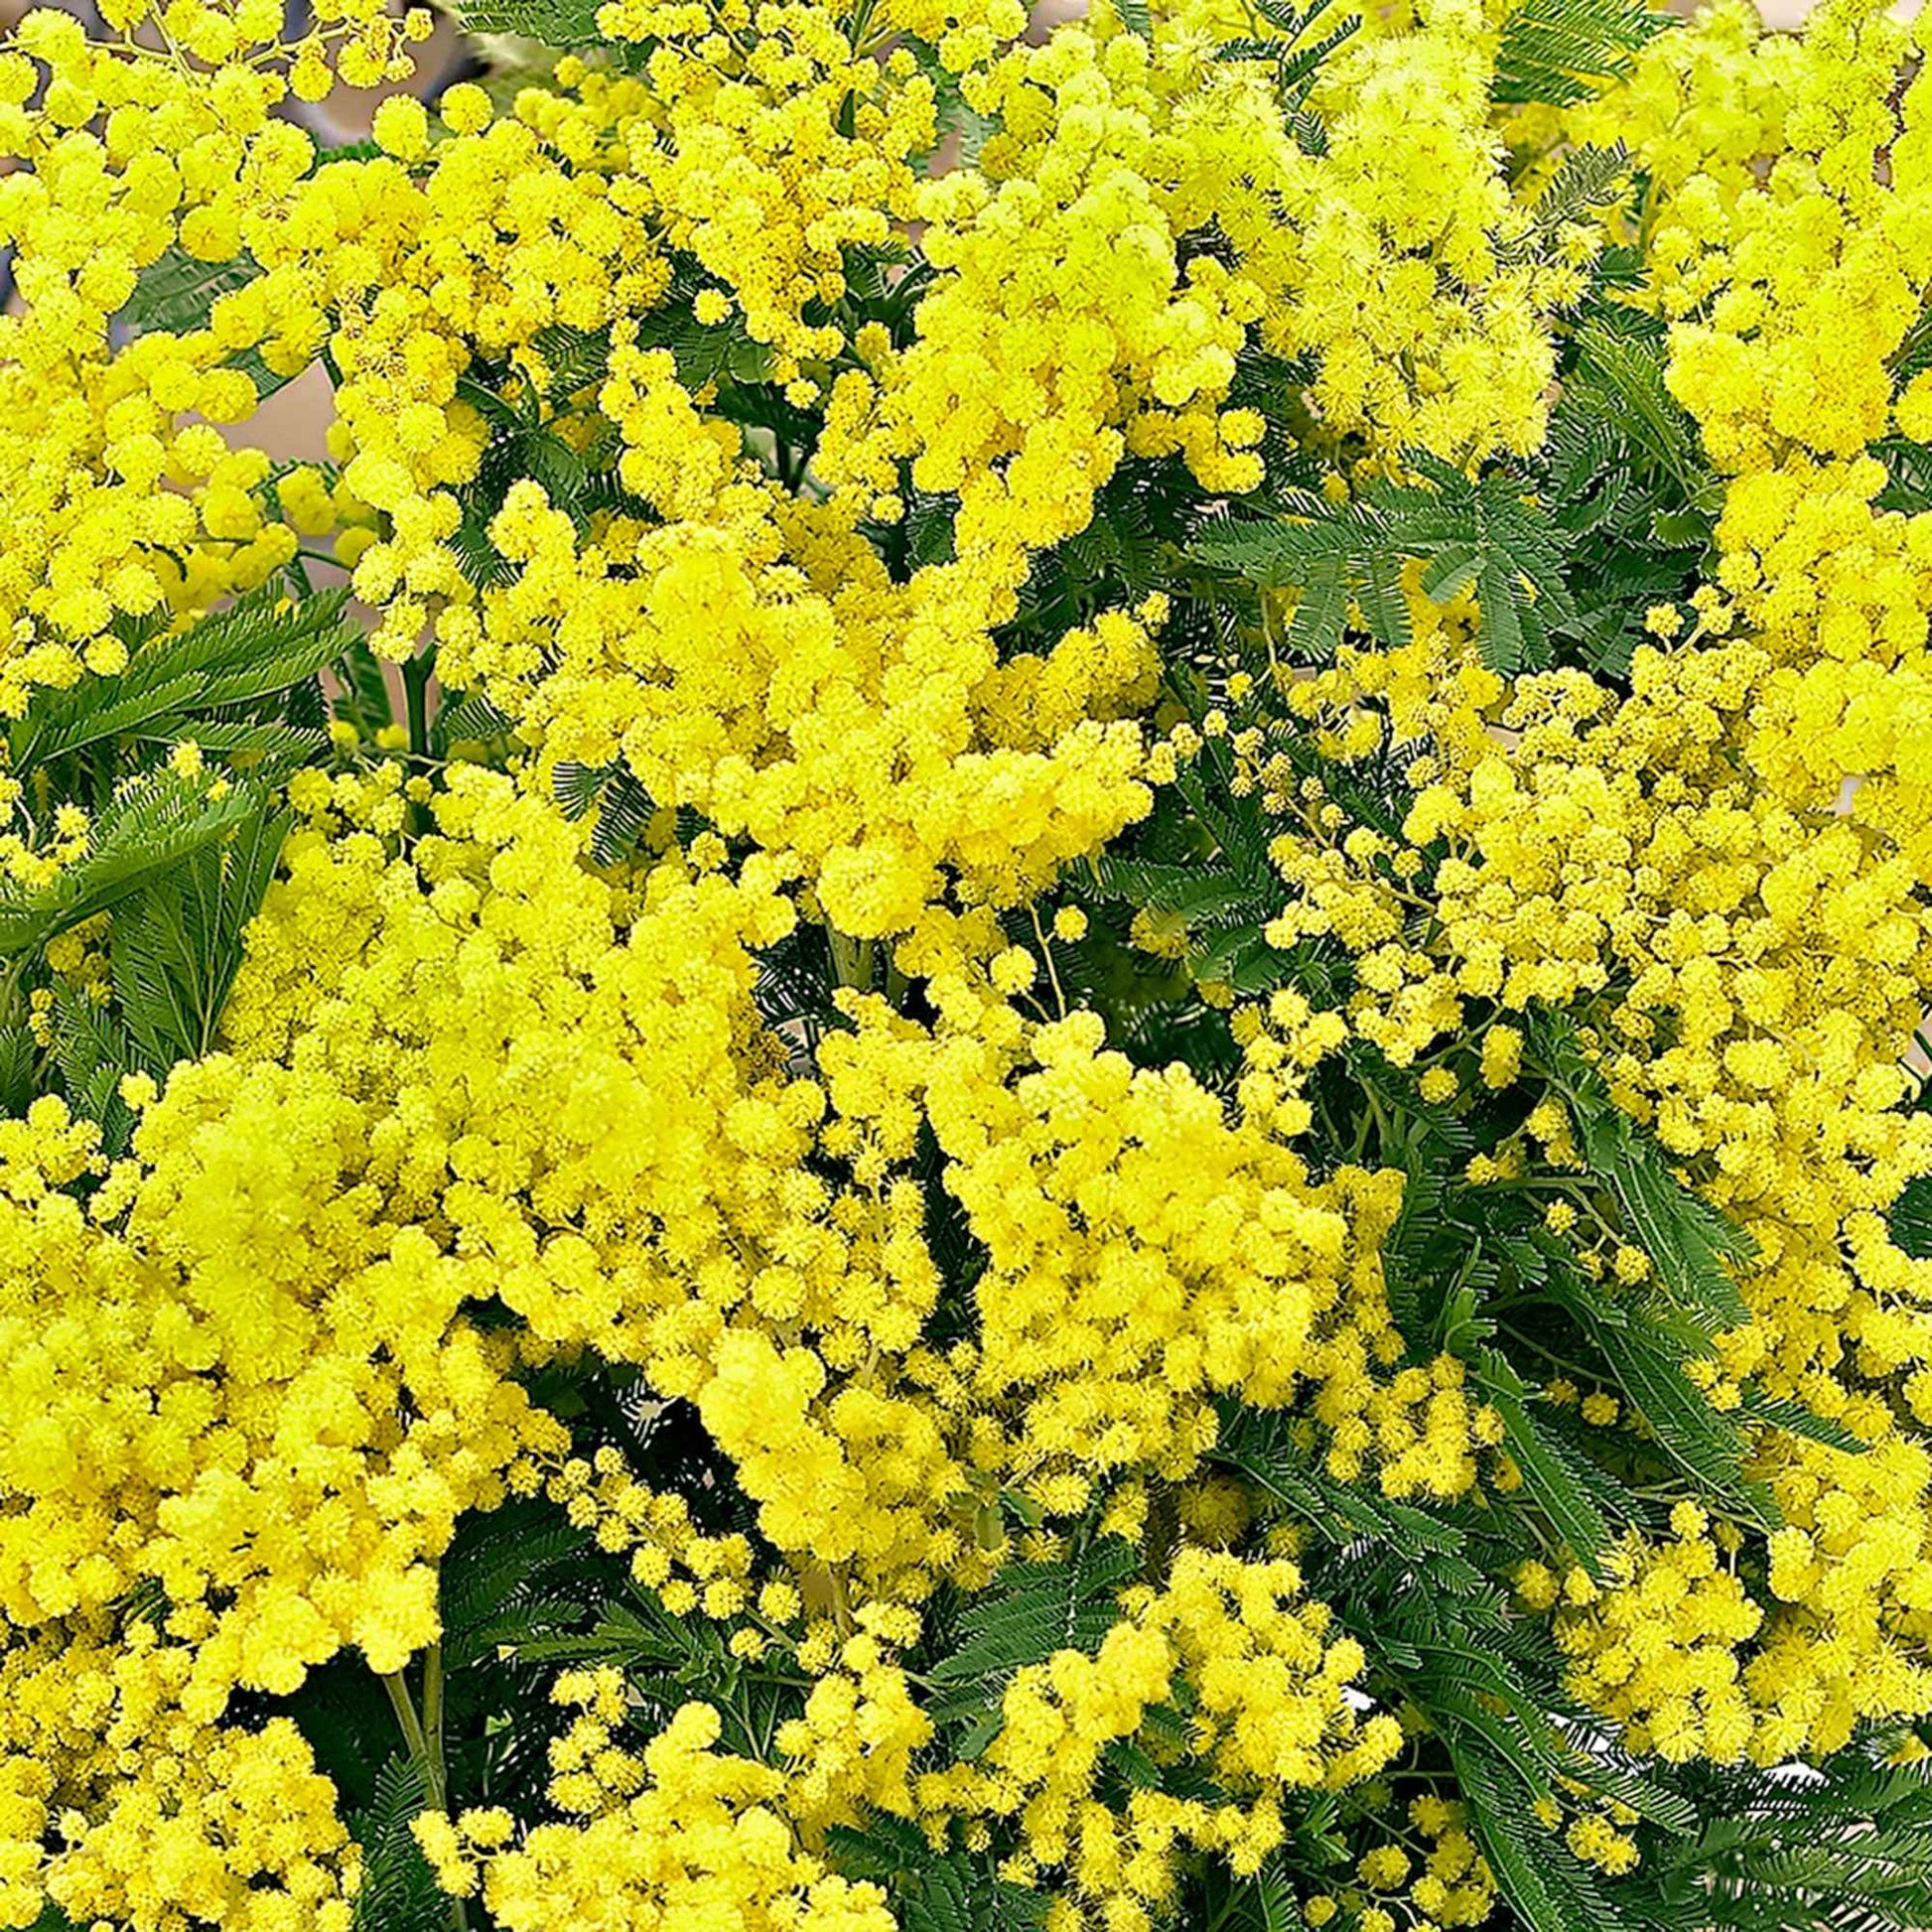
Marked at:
<point>688,412</point>
<point>125,494</point>
<point>1723,867</point>
<point>258,1385</point>
<point>1142,1256</point>
<point>679,1834</point>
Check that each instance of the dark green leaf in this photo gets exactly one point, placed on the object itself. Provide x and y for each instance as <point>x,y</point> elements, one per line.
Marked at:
<point>178,943</point>
<point>1556,1487</point>
<point>1560,52</point>
<point>262,644</point>
<point>152,827</point>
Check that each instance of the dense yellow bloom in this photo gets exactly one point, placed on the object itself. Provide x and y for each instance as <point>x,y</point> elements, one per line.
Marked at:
<point>1142,1256</point>
<point>1747,957</point>
<point>1273,1714</point>
<point>125,494</point>
<point>755,466</point>
<point>698,1839</point>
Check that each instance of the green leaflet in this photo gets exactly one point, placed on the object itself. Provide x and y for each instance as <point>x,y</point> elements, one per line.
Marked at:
<point>556,23</point>
<point>1846,1848</point>
<point>178,941</point>
<point>954,1895</point>
<point>1796,1420</point>
<point>1565,554</point>
<point>1616,379</point>
<point>183,874</point>
<point>1029,1611</point>
<point>1689,1241</point>
<point>564,25</point>
<point>1261,1446</point>
<point>1561,52</point>
<point>93,1054</point>
<point>1635,495</point>
<point>1911,1217</point>
<point>622,805</point>
<point>1481,536</point>
<point>1549,1473</point>
<point>1213,877</point>
<point>1587,180</point>
<point>172,686</point>
<point>152,826</point>
<point>177,293</point>
<point>1646,1360</point>
<point>1547,1890</point>
<point>1296,59</point>
<point>17,1054</point>
<point>399,1891</point>
<point>1264,1902</point>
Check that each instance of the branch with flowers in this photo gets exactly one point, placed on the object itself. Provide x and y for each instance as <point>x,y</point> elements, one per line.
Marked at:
<point>1018,1027</point>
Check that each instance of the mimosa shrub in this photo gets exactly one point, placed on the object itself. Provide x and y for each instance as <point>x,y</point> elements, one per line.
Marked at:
<point>1017,1029</point>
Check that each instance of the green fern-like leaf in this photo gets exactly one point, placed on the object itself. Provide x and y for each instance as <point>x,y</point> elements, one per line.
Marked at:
<point>176,294</point>
<point>1550,1473</point>
<point>1644,1357</point>
<point>19,1063</point>
<point>1263,1447</point>
<point>506,1583</point>
<point>364,697</point>
<point>932,1892</point>
<point>1635,495</point>
<point>1478,535</point>
<point>92,1055</point>
<point>1295,57</point>
<point>1914,355</point>
<point>621,804</point>
<point>561,24</point>
<point>399,1891</point>
<point>1911,1218</point>
<point>1560,52</point>
<point>1690,1243</point>
<point>1263,1902</point>
<point>153,826</point>
<point>178,943</point>
<point>1030,1610</point>
<point>470,715</point>
<point>1587,182</point>
<point>260,646</point>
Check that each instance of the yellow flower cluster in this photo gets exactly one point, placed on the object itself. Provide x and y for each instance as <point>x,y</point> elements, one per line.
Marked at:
<point>1273,1712</point>
<point>1066,317</point>
<point>1750,969</point>
<point>486,1073</point>
<point>1452,1884</point>
<point>1418,279</point>
<point>679,1835</point>
<point>1787,175</point>
<point>168,1819</point>
<point>1144,1257</point>
<point>687,413</point>
<point>749,656</point>
<point>1851,1580</point>
<point>125,496</point>
<point>1749,950</point>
